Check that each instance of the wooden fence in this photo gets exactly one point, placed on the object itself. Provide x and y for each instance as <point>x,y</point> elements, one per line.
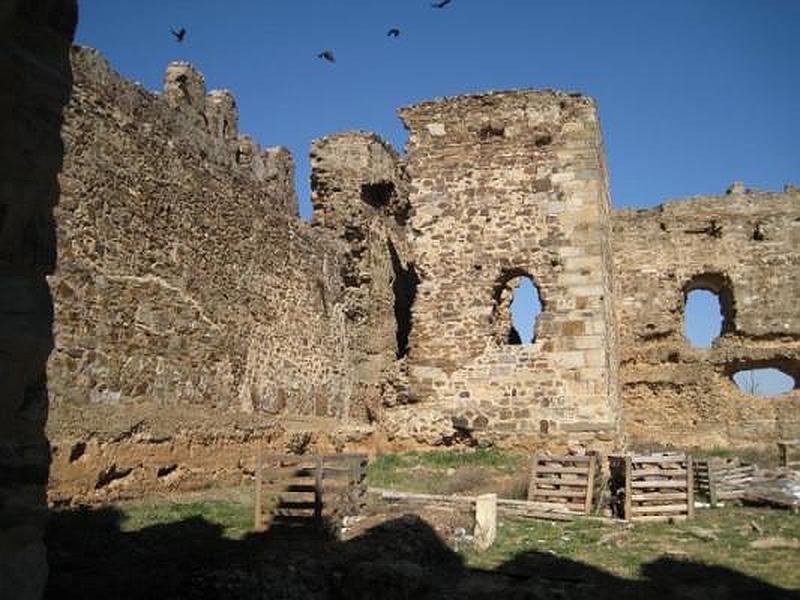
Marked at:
<point>656,487</point>
<point>722,479</point>
<point>569,483</point>
<point>304,489</point>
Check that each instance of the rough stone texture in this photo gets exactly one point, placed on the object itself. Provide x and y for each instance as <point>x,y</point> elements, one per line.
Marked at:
<point>745,247</point>
<point>34,45</point>
<point>190,293</point>
<point>360,194</point>
<point>504,185</point>
<point>187,283</point>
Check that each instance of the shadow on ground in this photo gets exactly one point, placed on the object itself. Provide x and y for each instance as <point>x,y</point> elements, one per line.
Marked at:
<point>92,558</point>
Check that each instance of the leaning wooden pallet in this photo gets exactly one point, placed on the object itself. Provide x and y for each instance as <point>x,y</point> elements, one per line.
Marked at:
<point>786,449</point>
<point>657,487</point>
<point>722,479</point>
<point>565,482</point>
<point>303,489</point>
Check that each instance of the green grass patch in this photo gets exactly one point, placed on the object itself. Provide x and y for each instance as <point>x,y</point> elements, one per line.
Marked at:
<point>235,517</point>
<point>438,471</point>
<point>624,549</point>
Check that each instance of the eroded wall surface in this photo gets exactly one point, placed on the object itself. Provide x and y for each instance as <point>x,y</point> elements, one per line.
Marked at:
<point>34,62</point>
<point>505,185</point>
<point>745,247</point>
<point>360,195</point>
<point>188,293</point>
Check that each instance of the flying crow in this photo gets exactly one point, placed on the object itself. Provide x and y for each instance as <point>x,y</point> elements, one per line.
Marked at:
<point>441,4</point>
<point>180,34</point>
<point>393,32</point>
<point>327,55</point>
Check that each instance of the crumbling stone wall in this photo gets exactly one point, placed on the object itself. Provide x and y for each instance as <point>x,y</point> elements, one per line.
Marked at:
<point>34,45</point>
<point>504,185</point>
<point>188,287</point>
<point>743,246</point>
<point>359,192</point>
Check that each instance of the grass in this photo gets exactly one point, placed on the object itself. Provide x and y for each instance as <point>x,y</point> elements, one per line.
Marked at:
<point>233,513</point>
<point>438,471</point>
<point>623,549</point>
<point>618,548</point>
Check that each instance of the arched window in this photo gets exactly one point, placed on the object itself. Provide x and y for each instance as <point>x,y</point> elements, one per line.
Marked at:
<point>708,309</point>
<point>517,308</point>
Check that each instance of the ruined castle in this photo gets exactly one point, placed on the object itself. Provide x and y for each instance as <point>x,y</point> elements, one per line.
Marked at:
<point>195,311</point>
<point>196,316</point>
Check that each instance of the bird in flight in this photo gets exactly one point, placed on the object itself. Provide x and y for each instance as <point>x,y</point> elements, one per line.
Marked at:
<point>393,32</point>
<point>441,4</point>
<point>180,34</point>
<point>327,55</point>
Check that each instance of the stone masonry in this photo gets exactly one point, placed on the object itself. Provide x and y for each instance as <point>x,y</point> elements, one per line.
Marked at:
<point>189,295</point>
<point>745,247</point>
<point>197,316</point>
<point>508,185</point>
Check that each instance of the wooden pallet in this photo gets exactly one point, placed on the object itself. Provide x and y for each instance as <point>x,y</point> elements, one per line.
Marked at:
<point>304,489</point>
<point>785,449</point>
<point>657,487</point>
<point>565,482</point>
<point>722,479</point>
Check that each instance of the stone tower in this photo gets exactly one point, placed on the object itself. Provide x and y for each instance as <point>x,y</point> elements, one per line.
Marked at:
<point>505,186</point>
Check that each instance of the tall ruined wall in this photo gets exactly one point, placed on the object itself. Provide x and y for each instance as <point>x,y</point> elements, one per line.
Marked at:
<point>188,290</point>
<point>34,62</point>
<point>745,247</point>
<point>506,185</point>
<point>359,192</point>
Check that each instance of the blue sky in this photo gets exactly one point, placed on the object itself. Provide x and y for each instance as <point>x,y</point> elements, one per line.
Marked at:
<point>693,94</point>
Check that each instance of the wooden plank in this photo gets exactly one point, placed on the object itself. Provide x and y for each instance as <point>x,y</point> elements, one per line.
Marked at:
<point>658,496</point>
<point>563,458</point>
<point>534,471</point>
<point>318,474</point>
<point>590,486</point>
<point>660,508</point>
<point>626,513</point>
<point>657,484</point>
<point>561,469</point>
<point>561,482</point>
<point>637,473</point>
<point>658,459</point>
<point>689,487</point>
<point>558,493</point>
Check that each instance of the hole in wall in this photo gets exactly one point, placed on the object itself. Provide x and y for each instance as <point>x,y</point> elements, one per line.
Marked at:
<point>543,140</point>
<point>764,381</point>
<point>377,194</point>
<point>404,286</point>
<point>517,308</point>
<point>490,131</point>
<point>708,309</point>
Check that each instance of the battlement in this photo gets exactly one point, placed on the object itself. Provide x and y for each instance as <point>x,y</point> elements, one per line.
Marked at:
<point>205,123</point>
<point>541,117</point>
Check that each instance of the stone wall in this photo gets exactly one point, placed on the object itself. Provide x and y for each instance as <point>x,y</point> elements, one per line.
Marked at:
<point>506,185</point>
<point>188,290</point>
<point>359,191</point>
<point>34,46</point>
<point>745,247</point>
